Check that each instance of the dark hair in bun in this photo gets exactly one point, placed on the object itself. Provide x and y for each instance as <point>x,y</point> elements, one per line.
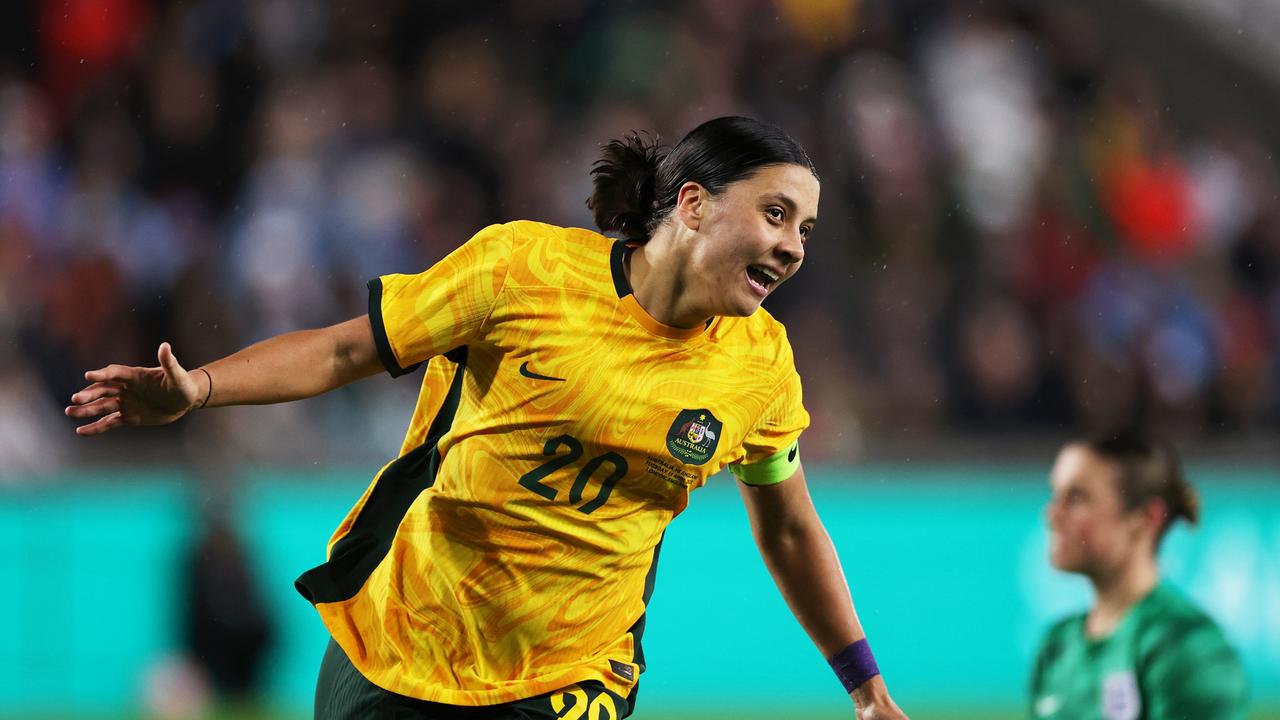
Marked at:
<point>1149,470</point>
<point>624,177</point>
<point>637,181</point>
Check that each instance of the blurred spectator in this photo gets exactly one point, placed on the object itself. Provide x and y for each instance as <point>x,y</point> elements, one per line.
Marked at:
<point>1016,231</point>
<point>982,74</point>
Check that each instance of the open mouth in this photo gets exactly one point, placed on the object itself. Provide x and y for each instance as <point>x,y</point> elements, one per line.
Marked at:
<point>761,279</point>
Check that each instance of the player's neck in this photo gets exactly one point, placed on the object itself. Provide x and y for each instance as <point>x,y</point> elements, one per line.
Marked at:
<point>1117,592</point>
<point>659,287</point>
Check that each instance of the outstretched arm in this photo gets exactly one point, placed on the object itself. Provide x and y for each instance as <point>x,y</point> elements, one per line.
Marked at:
<point>799,554</point>
<point>287,367</point>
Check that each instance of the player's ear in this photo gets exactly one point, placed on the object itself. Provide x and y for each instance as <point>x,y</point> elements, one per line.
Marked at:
<point>691,204</point>
<point>1150,517</point>
<point>1156,513</point>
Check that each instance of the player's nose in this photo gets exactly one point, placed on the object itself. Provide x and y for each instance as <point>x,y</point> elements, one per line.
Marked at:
<point>790,250</point>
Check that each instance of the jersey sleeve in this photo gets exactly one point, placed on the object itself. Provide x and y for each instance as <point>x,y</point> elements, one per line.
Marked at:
<point>416,317</point>
<point>1195,674</point>
<point>770,452</point>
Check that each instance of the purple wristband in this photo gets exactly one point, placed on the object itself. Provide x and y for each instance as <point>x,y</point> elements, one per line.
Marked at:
<point>854,665</point>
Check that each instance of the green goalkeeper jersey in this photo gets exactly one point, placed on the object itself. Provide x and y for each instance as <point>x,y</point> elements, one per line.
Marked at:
<point>1165,660</point>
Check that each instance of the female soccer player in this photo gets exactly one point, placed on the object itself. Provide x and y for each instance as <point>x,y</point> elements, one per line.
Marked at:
<point>1143,650</point>
<point>576,390</point>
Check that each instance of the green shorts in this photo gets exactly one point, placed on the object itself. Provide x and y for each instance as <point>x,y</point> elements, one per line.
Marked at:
<point>342,693</point>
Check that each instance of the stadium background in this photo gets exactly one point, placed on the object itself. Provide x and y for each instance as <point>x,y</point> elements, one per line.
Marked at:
<point>1038,219</point>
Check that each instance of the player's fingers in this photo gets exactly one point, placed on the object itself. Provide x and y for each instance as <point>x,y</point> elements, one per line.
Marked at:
<point>95,391</point>
<point>112,373</point>
<point>169,362</point>
<point>100,406</point>
<point>104,424</point>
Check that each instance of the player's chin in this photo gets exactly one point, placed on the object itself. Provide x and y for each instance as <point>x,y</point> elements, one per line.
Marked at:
<point>748,301</point>
<point>1056,551</point>
<point>744,307</point>
<point>1061,559</point>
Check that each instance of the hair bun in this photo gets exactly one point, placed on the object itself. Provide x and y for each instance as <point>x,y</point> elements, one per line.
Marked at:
<point>624,179</point>
<point>1188,502</point>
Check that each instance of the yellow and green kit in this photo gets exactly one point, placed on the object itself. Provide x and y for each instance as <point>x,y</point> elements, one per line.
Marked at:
<point>509,551</point>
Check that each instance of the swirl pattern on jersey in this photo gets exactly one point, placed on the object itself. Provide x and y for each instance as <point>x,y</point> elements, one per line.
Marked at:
<point>518,560</point>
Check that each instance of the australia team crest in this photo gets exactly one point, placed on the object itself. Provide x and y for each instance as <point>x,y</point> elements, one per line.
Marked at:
<point>694,435</point>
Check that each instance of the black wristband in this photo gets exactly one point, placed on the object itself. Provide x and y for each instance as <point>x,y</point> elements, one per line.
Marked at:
<point>208,394</point>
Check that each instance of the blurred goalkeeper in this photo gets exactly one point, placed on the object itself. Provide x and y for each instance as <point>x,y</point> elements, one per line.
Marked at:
<point>577,390</point>
<point>1144,650</point>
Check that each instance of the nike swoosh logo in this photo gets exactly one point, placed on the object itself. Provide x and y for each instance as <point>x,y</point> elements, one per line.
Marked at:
<point>791,456</point>
<point>525,371</point>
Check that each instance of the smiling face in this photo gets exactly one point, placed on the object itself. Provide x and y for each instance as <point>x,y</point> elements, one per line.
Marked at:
<point>1090,531</point>
<point>750,239</point>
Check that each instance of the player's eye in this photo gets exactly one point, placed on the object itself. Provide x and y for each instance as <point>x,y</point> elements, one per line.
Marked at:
<point>776,213</point>
<point>804,232</point>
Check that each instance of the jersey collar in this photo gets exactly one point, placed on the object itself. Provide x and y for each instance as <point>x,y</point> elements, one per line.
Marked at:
<point>627,299</point>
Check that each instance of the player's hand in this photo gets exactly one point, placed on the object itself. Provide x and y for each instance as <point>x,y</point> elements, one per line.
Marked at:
<point>124,395</point>
<point>873,702</point>
<point>886,710</point>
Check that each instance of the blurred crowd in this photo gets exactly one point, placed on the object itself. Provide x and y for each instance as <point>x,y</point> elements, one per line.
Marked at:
<point>1016,234</point>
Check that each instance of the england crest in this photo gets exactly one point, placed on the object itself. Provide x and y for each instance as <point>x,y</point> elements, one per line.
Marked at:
<point>693,436</point>
<point>1120,697</point>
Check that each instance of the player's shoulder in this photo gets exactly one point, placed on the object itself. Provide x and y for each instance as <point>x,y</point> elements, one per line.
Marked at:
<point>555,240</point>
<point>759,337</point>
<point>1168,619</point>
<point>533,231</point>
<point>1167,607</point>
<point>564,257</point>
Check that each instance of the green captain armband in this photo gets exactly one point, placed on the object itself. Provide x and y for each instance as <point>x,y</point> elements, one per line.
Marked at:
<point>773,469</point>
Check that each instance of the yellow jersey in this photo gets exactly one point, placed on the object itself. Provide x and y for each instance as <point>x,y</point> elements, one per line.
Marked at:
<point>509,551</point>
